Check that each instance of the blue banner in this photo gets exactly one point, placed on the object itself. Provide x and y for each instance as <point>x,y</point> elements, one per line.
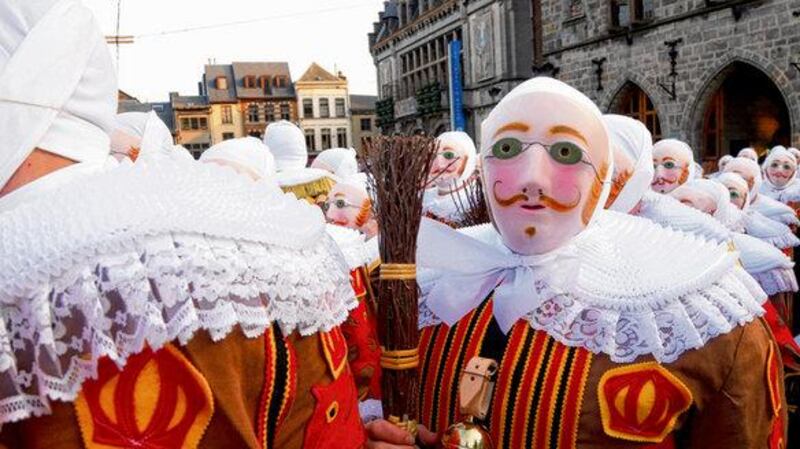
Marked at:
<point>458,122</point>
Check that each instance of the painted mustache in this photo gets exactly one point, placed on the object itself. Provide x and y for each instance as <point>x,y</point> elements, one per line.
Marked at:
<point>544,200</point>
<point>780,175</point>
<point>662,181</point>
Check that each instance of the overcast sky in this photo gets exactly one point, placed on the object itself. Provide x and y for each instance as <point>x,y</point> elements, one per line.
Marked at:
<point>332,33</point>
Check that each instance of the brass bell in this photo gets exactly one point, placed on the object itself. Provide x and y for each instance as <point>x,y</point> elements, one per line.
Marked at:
<point>466,435</point>
<point>475,395</point>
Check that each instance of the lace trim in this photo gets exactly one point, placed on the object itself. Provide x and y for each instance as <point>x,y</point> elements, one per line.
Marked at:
<point>356,250</point>
<point>670,213</point>
<point>159,289</point>
<point>778,280</point>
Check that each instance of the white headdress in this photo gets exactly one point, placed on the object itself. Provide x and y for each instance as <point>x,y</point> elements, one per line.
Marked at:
<point>748,153</point>
<point>632,137</point>
<point>341,162</point>
<point>248,153</point>
<point>288,145</point>
<point>63,102</point>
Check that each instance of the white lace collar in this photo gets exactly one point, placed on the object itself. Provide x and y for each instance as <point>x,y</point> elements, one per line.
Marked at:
<point>357,250</point>
<point>788,193</point>
<point>671,213</point>
<point>774,209</point>
<point>606,291</point>
<point>147,255</point>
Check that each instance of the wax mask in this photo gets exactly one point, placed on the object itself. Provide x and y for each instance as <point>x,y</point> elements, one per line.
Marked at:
<point>737,187</point>
<point>695,198</point>
<point>749,171</point>
<point>748,153</point>
<point>781,168</point>
<point>348,205</point>
<point>546,165</point>
<point>454,163</point>
<point>673,162</point>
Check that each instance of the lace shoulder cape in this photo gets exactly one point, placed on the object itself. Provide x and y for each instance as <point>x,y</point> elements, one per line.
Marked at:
<point>774,209</point>
<point>357,251</point>
<point>771,268</point>
<point>144,255</point>
<point>640,290</point>
<point>787,194</point>
<point>671,213</point>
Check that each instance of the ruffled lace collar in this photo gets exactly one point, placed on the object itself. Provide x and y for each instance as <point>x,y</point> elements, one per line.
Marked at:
<point>357,250</point>
<point>145,255</point>
<point>619,299</point>
<point>671,213</point>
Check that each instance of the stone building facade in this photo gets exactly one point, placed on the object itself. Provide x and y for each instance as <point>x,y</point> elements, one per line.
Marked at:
<point>409,45</point>
<point>719,74</point>
<point>324,109</point>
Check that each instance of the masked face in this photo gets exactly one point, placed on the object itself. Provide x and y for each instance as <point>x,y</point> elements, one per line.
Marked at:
<point>781,170</point>
<point>347,206</point>
<point>543,169</point>
<point>697,199</point>
<point>623,170</point>
<point>671,169</point>
<point>448,166</point>
<point>737,192</point>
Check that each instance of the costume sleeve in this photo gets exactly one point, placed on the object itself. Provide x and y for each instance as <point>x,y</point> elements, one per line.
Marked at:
<point>749,411</point>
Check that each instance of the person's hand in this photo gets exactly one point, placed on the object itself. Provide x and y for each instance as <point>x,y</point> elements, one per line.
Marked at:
<point>382,434</point>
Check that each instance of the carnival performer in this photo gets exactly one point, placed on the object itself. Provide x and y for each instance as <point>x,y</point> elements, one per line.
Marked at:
<point>157,304</point>
<point>288,146</point>
<point>593,342</point>
<point>752,222</point>
<point>451,173</point>
<point>772,269</point>
<point>721,165</point>
<point>780,177</point>
<point>770,208</point>
<point>674,165</point>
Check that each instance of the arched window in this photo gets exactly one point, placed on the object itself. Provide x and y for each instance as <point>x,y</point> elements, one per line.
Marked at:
<point>632,101</point>
<point>743,108</point>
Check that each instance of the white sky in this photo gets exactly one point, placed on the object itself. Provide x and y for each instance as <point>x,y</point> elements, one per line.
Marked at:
<point>329,32</point>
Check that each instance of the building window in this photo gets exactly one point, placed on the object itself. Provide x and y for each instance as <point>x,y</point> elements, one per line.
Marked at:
<point>263,83</point>
<point>311,142</point>
<point>227,115</point>
<point>221,83</point>
<point>308,108</point>
<point>326,139</point>
<point>341,137</point>
<point>324,108</point>
<point>366,124</point>
<point>194,123</point>
<point>285,112</point>
<point>340,108</point>
<point>227,136</point>
<point>279,81</point>
<point>269,112</point>
<point>256,134</point>
<point>630,12</point>
<point>252,113</point>
<point>635,103</point>
<point>249,82</point>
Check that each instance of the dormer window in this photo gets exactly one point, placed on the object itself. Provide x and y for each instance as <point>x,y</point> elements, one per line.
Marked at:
<point>263,82</point>
<point>221,83</point>
<point>249,82</point>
